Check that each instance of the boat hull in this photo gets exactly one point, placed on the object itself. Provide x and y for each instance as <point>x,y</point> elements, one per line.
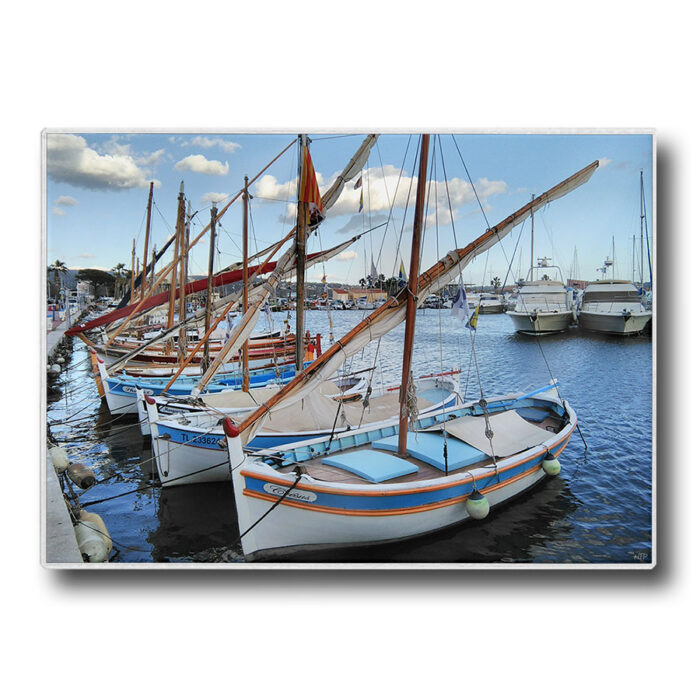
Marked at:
<point>540,323</point>
<point>318,516</point>
<point>613,323</point>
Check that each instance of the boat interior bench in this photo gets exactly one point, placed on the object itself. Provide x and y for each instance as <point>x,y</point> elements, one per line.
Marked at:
<point>370,465</point>
<point>429,448</point>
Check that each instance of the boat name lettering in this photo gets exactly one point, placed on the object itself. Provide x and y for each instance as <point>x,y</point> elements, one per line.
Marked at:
<point>277,490</point>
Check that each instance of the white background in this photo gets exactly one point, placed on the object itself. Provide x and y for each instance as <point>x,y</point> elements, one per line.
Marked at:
<point>406,65</point>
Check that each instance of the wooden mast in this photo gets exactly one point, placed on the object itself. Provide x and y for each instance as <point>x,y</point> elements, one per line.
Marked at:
<point>133,262</point>
<point>302,218</point>
<point>244,350</point>
<point>411,299</point>
<point>210,288</point>
<point>176,253</point>
<point>145,243</point>
<point>184,227</point>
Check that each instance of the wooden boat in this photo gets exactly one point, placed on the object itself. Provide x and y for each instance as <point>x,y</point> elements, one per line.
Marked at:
<point>371,486</point>
<point>189,447</point>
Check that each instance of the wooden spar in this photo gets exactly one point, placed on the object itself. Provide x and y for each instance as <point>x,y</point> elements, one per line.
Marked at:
<point>176,255</point>
<point>145,243</point>
<point>153,269</point>
<point>210,287</point>
<point>245,384</point>
<point>411,298</point>
<point>182,348</point>
<point>302,218</point>
<point>133,254</point>
<point>425,280</point>
<point>218,361</point>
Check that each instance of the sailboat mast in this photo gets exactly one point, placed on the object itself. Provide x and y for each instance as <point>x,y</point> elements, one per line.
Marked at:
<point>145,243</point>
<point>641,228</point>
<point>532,242</point>
<point>133,263</point>
<point>176,252</point>
<point>210,288</point>
<point>183,280</point>
<point>411,299</point>
<point>302,217</point>
<point>244,350</point>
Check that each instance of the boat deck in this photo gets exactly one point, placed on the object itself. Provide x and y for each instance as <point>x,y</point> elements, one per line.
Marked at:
<point>325,472</point>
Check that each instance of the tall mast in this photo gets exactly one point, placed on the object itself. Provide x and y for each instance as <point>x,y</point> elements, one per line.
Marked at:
<point>411,299</point>
<point>302,217</point>
<point>244,350</point>
<point>176,252</point>
<point>641,228</point>
<point>210,287</point>
<point>133,263</point>
<point>145,243</point>
<point>153,267</point>
<point>532,242</point>
<point>184,227</point>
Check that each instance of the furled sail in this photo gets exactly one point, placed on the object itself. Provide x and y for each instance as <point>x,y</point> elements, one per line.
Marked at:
<point>285,265</point>
<point>393,312</point>
<point>235,298</point>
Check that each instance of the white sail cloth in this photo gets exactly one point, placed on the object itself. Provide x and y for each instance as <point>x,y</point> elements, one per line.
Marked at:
<point>393,312</point>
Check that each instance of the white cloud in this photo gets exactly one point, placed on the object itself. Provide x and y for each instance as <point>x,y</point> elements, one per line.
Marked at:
<point>87,255</point>
<point>65,200</point>
<point>382,187</point>
<point>199,164</point>
<point>213,197</point>
<point>69,160</point>
<point>346,255</point>
<point>151,159</point>
<point>56,211</point>
<point>209,142</point>
<point>604,162</point>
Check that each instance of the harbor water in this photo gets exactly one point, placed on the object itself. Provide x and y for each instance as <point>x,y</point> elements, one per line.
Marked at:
<point>598,510</point>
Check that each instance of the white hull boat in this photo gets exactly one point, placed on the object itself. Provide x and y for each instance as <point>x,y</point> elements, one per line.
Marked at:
<point>613,307</point>
<point>353,490</point>
<point>190,448</point>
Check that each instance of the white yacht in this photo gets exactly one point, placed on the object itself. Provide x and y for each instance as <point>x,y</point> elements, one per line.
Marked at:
<point>613,306</point>
<point>543,306</point>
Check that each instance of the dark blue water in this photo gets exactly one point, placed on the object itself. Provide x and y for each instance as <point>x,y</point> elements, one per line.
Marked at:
<point>599,510</point>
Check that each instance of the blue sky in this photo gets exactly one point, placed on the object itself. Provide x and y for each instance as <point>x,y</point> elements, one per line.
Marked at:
<point>97,191</point>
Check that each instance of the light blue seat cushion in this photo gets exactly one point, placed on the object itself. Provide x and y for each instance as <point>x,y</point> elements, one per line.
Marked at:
<point>428,447</point>
<point>372,465</point>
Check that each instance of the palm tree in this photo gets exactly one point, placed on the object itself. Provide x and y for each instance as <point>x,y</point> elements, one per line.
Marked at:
<point>119,271</point>
<point>57,267</point>
<point>496,283</point>
<point>363,283</point>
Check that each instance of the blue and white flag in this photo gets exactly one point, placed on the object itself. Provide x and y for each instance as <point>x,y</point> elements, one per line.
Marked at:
<point>460,305</point>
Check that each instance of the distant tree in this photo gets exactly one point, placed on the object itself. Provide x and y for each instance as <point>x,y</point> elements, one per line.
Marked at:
<point>363,283</point>
<point>57,267</point>
<point>495,283</point>
<point>381,280</point>
<point>120,273</point>
<point>101,280</point>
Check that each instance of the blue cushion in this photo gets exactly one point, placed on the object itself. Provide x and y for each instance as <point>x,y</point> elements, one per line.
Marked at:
<point>371,465</point>
<point>530,413</point>
<point>428,447</point>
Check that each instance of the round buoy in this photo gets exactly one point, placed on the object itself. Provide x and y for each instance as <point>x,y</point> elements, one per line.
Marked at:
<point>60,360</point>
<point>477,505</point>
<point>96,521</point>
<point>551,465</point>
<point>91,542</point>
<point>55,369</point>
<point>59,459</point>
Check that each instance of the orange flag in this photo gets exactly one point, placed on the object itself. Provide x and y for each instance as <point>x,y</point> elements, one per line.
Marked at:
<point>309,189</point>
